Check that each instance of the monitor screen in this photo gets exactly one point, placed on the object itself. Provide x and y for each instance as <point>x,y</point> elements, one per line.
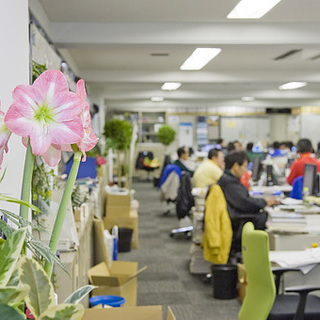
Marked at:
<point>309,178</point>
<point>256,168</point>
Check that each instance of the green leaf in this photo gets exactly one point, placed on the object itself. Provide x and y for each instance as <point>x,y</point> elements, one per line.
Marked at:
<point>41,296</point>
<point>14,280</point>
<point>18,201</point>
<point>5,228</point>
<point>79,294</point>
<point>46,253</point>
<point>13,295</point>
<point>63,311</point>
<point>10,253</point>
<point>11,313</point>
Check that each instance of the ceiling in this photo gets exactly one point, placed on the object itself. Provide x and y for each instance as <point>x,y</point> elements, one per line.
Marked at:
<point>126,49</point>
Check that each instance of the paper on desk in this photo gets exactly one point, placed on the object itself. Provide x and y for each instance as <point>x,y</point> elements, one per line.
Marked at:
<point>305,260</point>
<point>291,201</point>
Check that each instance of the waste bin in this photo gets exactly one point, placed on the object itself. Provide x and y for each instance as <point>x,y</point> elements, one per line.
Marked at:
<point>112,301</point>
<point>124,239</point>
<point>224,281</point>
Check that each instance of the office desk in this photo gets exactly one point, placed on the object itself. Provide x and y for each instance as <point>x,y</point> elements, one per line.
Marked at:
<point>307,260</point>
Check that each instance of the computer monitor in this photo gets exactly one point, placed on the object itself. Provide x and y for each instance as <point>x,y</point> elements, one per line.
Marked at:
<point>256,168</point>
<point>310,178</point>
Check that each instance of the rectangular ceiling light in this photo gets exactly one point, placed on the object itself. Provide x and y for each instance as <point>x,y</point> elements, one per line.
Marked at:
<point>292,85</point>
<point>157,99</point>
<point>252,9</point>
<point>199,58</point>
<point>171,86</point>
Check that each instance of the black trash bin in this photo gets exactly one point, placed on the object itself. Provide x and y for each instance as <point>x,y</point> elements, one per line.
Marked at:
<point>224,281</point>
<point>124,239</point>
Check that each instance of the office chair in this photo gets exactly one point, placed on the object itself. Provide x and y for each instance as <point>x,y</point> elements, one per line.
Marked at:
<point>297,186</point>
<point>261,301</point>
<point>217,236</point>
<point>184,203</point>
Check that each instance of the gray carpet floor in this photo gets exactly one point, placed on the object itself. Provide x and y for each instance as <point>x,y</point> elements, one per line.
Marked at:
<point>167,281</point>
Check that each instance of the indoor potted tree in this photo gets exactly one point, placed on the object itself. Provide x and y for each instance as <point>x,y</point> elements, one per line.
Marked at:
<point>118,136</point>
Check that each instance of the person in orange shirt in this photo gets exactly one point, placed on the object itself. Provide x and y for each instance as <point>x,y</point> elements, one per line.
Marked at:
<point>305,150</point>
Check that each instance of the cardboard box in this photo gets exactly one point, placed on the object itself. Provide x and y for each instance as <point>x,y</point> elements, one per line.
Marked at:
<point>128,313</point>
<point>119,280</point>
<point>118,205</point>
<point>131,221</point>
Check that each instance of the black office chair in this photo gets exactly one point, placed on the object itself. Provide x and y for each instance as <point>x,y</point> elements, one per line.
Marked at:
<point>184,203</point>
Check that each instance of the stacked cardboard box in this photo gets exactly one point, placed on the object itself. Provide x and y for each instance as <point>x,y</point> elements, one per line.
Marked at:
<point>120,280</point>
<point>128,313</point>
<point>123,212</point>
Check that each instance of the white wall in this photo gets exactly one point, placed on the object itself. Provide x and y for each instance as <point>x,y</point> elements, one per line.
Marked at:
<point>14,66</point>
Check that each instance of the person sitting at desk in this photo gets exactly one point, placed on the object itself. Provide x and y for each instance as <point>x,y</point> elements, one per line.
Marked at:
<point>239,201</point>
<point>305,150</point>
<point>183,154</point>
<point>210,170</point>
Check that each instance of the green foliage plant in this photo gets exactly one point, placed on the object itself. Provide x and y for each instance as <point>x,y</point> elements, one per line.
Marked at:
<point>23,281</point>
<point>118,134</point>
<point>166,134</point>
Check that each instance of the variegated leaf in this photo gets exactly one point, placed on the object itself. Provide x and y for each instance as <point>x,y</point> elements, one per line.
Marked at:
<point>41,296</point>
<point>63,311</point>
<point>9,254</point>
<point>79,294</point>
<point>13,295</point>
<point>11,313</point>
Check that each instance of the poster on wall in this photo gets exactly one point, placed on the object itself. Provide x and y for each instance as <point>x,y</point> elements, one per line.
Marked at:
<point>202,131</point>
<point>185,134</point>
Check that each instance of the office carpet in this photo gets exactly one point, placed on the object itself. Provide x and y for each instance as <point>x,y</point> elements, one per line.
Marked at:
<point>167,281</point>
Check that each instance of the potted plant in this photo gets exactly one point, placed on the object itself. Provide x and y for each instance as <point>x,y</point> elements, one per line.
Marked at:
<point>118,137</point>
<point>23,282</point>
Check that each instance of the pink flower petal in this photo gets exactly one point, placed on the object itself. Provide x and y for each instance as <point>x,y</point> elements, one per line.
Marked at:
<point>52,156</point>
<point>81,90</point>
<point>67,132</point>
<point>51,83</point>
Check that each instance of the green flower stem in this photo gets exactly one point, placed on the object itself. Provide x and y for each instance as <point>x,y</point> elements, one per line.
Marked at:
<point>63,209</point>
<point>26,182</point>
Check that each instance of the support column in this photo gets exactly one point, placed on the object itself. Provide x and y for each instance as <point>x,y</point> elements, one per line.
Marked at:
<point>14,70</point>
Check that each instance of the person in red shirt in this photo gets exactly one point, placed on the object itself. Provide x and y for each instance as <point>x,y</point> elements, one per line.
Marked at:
<point>305,150</point>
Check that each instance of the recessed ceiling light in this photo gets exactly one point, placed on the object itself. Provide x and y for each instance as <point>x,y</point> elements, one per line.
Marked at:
<point>247,99</point>
<point>171,86</point>
<point>199,58</point>
<point>252,9</point>
<point>292,85</point>
<point>157,99</point>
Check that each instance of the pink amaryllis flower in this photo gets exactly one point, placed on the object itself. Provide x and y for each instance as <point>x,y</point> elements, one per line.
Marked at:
<point>46,112</point>
<point>5,134</point>
<point>53,155</point>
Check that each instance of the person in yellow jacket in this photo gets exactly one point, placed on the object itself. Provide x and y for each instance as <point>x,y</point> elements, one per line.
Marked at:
<point>217,237</point>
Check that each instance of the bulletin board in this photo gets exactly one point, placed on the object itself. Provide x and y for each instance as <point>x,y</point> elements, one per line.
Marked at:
<point>186,134</point>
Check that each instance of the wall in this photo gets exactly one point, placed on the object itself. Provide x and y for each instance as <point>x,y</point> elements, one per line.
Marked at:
<point>14,66</point>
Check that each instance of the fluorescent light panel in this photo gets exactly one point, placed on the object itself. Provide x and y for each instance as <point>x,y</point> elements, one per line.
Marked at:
<point>199,58</point>
<point>252,9</point>
<point>247,99</point>
<point>157,99</point>
<point>171,86</point>
<point>292,85</point>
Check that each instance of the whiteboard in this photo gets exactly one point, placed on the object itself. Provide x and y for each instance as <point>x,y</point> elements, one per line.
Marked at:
<point>245,128</point>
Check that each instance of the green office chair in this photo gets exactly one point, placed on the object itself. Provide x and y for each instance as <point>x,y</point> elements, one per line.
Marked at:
<point>261,301</point>
<point>261,291</point>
